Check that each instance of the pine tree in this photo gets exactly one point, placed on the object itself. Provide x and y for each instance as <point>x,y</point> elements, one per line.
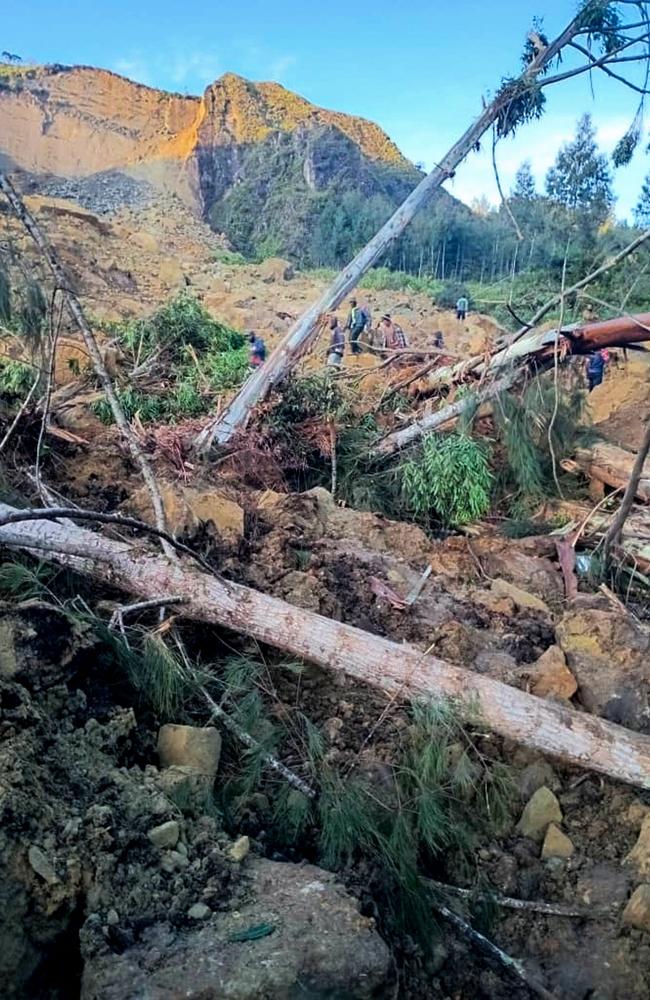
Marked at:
<point>642,208</point>
<point>524,188</point>
<point>580,180</point>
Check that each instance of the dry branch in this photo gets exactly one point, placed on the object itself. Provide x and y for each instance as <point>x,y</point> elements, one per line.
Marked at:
<point>74,307</point>
<point>399,670</point>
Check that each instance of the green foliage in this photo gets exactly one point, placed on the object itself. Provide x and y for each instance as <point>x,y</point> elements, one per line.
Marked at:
<point>229,257</point>
<point>523,428</point>
<point>642,208</point>
<point>450,293</point>
<point>603,21</point>
<point>16,377</point>
<point>450,479</point>
<point>201,358</point>
<point>33,312</point>
<point>23,582</point>
<point>580,180</point>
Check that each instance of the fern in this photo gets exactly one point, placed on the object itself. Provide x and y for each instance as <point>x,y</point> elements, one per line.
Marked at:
<point>19,582</point>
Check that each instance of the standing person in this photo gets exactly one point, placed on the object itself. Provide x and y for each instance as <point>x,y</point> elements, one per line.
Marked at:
<point>357,321</point>
<point>595,369</point>
<point>461,308</point>
<point>337,343</point>
<point>257,350</point>
<point>392,336</point>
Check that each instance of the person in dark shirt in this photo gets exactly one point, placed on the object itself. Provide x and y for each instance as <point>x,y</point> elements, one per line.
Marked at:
<point>337,343</point>
<point>595,369</point>
<point>257,350</point>
<point>357,321</point>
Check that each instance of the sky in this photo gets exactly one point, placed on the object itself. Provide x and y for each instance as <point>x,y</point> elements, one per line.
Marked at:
<point>419,69</point>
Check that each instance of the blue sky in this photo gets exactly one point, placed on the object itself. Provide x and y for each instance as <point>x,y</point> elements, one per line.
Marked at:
<point>419,69</point>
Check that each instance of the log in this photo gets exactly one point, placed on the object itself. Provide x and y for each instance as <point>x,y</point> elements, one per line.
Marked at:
<point>398,670</point>
<point>613,466</point>
<point>299,337</point>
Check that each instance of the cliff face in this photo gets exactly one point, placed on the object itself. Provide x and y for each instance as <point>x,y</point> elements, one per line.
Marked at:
<point>73,122</point>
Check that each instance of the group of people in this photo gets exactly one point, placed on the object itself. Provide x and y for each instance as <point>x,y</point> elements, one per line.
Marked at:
<point>388,335</point>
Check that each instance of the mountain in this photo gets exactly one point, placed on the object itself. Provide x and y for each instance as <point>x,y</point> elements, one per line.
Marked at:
<point>261,163</point>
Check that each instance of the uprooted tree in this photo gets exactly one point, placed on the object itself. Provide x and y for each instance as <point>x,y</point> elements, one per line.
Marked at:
<point>604,35</point>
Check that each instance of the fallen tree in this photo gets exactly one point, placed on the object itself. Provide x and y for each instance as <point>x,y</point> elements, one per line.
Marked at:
<point>514,362</point>
<point>517,100</point>
<point>611,466</point>
<point>399,670</point>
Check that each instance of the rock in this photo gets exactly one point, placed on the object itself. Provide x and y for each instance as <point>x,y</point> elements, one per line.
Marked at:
<point>493,602</point>
<point>188,789</point>
<point>639,856</point>
<point>636,813</point>
<point>521,598</point>
<point>276,269</point>
<point>41,864</point>
<point>239,849</point>
<point>199,912</point>
<point>190,746</point>
<point>319,945</point>
<point>637,912</point>
<point>165,835</point>
<point>187,508</point>
<point>543,808</point>
<point>112,918</point>
<point>550,676</point>
<point>556,844</point>
<point>534,776</point>
<point>609,656</point>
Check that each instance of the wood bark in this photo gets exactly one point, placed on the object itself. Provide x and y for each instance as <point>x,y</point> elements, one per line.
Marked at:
<point>616,467</point>
<point>537,347</point>
<point>638,476</point>
<point>297,340</point>
<point>399,670</point>
<point>74,307</point>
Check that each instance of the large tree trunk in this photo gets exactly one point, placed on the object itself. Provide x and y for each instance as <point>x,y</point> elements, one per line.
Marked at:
<point>297,340</point>
<point>399,670</point>
<point>613,466</point>
<point>537,347</point>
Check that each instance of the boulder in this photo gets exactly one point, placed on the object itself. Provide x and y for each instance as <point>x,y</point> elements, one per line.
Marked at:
<point>534,776</point>
<point>190,746</point>
<point>551,678</point>
<point>521,598</point>
<point>297,932</point>
<point>276,269</point>
<point>187,508</point>
<point>639,856</point>
<point>165,835</point>
<point>607,652</point>
<point>239,849</point>
<point>637,911</point>
<point>541,810</point>
<point>556,843</point>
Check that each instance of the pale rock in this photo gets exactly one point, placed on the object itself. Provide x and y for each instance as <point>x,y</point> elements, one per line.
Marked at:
<point>521,598</point>
<point>543,808</point>
<point>534,776</point>
<point>112,918</point>
<point>239,849</point>
<point>187,508</point>
<point>637,911</point>
<point>639,856</point>
<point>190,746</point>
<point>550,676</point>
<point>276,269</point>
<point>636,814</point>
<point>200,911</point>
<point>165,835</point>
<point>41,864</point>
<point>556,843</point>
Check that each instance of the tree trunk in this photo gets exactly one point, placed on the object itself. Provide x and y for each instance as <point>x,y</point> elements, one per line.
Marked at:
<point>399,670</point>
<point>633,489</point>
<point>616,467</point>
<point>297,340</point>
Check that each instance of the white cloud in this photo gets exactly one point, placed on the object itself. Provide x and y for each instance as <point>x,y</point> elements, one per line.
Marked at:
<point>278,67</point>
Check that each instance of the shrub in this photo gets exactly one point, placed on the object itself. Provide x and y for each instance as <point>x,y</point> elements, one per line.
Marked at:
<point>450,293</point>
<point>451,479</point>
<point>16,377</point>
